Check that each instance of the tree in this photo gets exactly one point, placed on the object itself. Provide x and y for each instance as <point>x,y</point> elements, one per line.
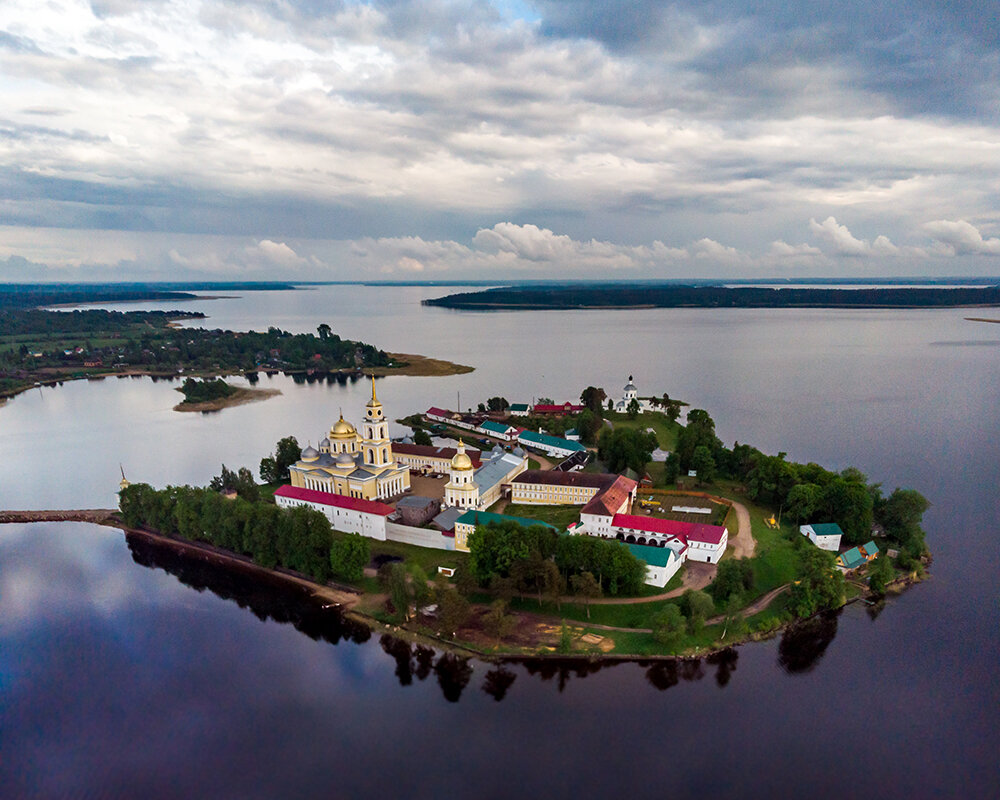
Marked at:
<point>611,404</point>
<point>503,587</point>
<point>900,515</point>
<point>553,583</point>
<point>821,585</point>
<point>880,573</point>
<point>703,463</point>
<point>593,398</point>
<point>700,608</point>
<point>274,468</point>
<point>803,501</point>
<point>349,556</point>
<point>465,581</point>
<point>668,625</point>
<point>735,621</point>
<point>392,577</point>
<point>497,404</point>
<point>624,448</point>
<point>633,408</point>
<point>699,431</point>
<point>673,410</point>
<point>588,425</point>
<point>422,437</point>
<point>850,504</point>
<point>453,612</point>
<point>586,586</point>
<point>481,408</point>
<point>497,622</point>
<point>420,588</point>
<point>324,331</point>
<point>565,639</point>
<point>241,481</point>
<point>732,577</point>
<point>671,469</point>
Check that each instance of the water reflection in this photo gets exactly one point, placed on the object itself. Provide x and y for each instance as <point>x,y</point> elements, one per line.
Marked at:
<point>265,599</point>
<point>803,645</point>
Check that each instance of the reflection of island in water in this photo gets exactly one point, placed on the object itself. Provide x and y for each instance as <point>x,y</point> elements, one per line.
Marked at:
<point>800,649</point>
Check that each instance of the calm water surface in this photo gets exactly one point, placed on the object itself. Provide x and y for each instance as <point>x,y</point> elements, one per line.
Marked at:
<point>125,672</point>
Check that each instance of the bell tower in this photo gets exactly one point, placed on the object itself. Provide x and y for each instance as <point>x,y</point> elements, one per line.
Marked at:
<point>376,449</point>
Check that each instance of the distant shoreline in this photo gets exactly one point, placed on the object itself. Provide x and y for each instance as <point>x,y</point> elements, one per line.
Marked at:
<point>616,296</point>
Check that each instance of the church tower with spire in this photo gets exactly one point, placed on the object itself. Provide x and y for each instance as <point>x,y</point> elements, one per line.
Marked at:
<point>376,449</point>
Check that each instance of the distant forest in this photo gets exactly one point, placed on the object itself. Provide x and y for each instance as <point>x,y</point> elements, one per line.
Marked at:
<point>32,295</point>
<point>673,296</point>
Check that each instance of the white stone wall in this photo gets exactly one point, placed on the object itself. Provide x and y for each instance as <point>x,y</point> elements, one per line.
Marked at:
<point>343,519</point>
<point>421,537</point>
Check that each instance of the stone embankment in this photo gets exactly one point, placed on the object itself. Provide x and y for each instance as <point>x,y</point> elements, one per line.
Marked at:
<point>100,516</point>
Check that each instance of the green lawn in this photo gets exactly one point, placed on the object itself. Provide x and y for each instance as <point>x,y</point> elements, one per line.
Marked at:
<point>429,560</point>
<point>666,431</point>
<point>560,516</point>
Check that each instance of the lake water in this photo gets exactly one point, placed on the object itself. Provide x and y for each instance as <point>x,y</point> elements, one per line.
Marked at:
<point>125,672</point>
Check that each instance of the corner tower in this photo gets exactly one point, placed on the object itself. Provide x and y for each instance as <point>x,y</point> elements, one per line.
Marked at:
<point>376,449</point>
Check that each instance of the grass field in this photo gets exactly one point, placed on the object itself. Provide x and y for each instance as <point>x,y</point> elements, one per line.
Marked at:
<point>666,431</point>
<point>429,560</point>
<point>560,516</point>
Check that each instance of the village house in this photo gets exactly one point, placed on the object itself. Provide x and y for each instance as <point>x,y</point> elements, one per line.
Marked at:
<point>825,535</point>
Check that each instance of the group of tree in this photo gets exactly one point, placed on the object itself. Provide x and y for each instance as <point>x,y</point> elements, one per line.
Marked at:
<point>296,538</point>
<point>820,585</point>
<point>687,616</point>
<point>202,391</point>
<point>626,448</point>
<point>144,338</point>
<point>241,481</point>
<point>536,561</point>
<point>802,492</point>
<point>274,468</point>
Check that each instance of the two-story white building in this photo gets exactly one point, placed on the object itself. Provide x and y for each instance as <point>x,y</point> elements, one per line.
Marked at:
<point>825,535</point>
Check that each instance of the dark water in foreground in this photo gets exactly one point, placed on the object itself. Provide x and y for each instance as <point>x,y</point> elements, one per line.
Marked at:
<point>126,672</point>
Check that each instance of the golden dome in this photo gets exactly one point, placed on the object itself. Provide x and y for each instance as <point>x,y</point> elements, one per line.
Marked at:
<point>342,429</point>
<point>461,461</point>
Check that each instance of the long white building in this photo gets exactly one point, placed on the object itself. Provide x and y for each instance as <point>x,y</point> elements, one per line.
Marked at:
<point>347,514</point>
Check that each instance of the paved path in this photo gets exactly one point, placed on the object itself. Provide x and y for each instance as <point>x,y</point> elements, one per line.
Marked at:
<point>743,543</point>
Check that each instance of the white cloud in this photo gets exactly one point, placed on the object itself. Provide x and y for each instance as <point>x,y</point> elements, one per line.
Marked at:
<point>781,249</point>
<point>959,237</point>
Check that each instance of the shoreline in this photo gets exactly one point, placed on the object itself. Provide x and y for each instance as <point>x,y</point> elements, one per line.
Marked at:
<point>347,598</point>
<point>417,366</point>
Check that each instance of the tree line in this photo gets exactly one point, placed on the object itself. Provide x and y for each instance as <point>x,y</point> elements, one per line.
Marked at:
<point>298,538</point>
<point>802,492</point>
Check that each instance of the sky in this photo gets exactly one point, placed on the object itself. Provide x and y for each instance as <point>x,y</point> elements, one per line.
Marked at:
<point>514,139</point>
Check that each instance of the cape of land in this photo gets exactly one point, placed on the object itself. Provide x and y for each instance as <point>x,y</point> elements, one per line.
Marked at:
<point>39,347</point>
<point>32,295</point>
<point>616,295</point>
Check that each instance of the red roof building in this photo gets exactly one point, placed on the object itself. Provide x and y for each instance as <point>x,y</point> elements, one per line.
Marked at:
<point>556,410</point>
<point>334,500</point>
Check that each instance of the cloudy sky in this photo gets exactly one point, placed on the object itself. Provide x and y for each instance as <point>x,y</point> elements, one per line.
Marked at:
<point>326,139</point>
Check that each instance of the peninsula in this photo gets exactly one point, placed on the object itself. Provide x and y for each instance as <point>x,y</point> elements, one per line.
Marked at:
<point>580,543</point>
<point>41,347</point>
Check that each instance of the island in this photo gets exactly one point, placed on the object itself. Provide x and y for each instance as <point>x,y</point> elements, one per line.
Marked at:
<point>646,295</point>
<point>612,527</point>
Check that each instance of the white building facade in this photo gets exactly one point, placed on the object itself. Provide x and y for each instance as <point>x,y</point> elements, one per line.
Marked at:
<point>346,514</point>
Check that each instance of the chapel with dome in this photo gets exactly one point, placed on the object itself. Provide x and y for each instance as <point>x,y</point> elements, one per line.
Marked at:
<point>354,464</point>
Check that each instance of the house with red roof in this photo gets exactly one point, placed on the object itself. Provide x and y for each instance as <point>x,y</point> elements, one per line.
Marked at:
<point>347,514</point>
<point>703,542</point>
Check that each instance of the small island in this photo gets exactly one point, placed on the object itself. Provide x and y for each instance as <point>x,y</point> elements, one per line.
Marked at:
<point>214,395</point>
<point>609,528</point>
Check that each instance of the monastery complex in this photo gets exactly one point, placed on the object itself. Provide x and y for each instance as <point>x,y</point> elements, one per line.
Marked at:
<point>363,483</point>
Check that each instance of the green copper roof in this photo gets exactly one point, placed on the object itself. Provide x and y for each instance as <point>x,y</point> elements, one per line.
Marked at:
<point>827,529</point>
<point>550,441</point>
<point>496,427</point>
<point>654,556</point>
<point>852,558</point>
<point>486,517</point>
